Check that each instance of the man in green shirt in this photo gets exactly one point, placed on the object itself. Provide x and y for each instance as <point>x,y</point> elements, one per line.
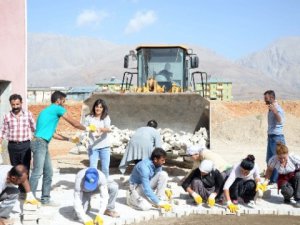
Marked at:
<point>47,122</point>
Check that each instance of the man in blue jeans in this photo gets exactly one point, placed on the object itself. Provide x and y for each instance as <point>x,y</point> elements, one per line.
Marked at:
<point>275,128</point>
<point>46,129</point>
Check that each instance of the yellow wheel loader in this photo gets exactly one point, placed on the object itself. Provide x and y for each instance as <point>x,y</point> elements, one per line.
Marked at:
<point>164,90</point>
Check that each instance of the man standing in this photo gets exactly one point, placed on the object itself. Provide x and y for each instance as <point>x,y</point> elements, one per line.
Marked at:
<point>45,129</point>
<point>18,126</point>
<point>275,128</point>
<point>10,176</point>
<point>141,144</point>
<point>92,182</point>
<point>146,178</point>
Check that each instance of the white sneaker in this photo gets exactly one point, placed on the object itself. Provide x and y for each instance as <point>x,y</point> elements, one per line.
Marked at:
<point>251,204</point>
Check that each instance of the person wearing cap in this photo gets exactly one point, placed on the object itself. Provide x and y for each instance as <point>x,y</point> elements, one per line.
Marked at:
<point>147,183</point>
<point>243,181</point>
<point>90,182</point>
<point>141,144</point>
<point>204,183</point>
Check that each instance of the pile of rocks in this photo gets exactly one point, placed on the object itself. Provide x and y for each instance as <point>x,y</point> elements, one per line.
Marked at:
<point>174,143</point>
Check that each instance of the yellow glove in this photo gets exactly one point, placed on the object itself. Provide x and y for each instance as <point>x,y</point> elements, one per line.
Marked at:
<point>211,200</point>
<point>166,206</point>
<point>74,140</point>
<point>32,202</point>
<point>169,193</point>
<point>232,207</point>
<point>98,220</point>
<point>91,128</point>
<point>30,199</point>
<point>197,198</point>
<point>90,222</point>
<point>262,187</point>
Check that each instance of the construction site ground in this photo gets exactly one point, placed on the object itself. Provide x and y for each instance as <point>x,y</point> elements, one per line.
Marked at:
<point>237,129</point>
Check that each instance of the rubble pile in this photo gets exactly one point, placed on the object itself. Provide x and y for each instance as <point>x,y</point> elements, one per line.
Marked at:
<point>174,143</point>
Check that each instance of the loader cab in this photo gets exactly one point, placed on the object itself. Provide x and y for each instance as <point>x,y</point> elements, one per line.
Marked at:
<point>168,65</point>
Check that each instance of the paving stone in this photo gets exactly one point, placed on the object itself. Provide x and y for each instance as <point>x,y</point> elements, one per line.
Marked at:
<point>253,211</point>
<point>281,212</point>
<point>267,212</point>
<point>215,211</point>
<point>30,207</point>
<point>30,217</point>
<point>30,222</point>
<point>179,202</point>
<point>129,220</point>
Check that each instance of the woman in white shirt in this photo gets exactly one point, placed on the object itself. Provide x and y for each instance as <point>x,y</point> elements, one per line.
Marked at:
<point>288,167</point>
<point>242,183</point>
<point>99,147</point>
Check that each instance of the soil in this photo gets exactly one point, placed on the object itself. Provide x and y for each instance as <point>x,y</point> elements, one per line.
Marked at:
<point>226,220</point>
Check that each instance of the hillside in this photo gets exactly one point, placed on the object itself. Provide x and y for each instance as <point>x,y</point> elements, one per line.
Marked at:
<point>280,62</point>
<point>55,60</point>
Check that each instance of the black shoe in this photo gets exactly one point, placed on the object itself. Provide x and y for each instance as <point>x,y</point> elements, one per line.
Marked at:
<point>287,201</point>
<point>297,205</point>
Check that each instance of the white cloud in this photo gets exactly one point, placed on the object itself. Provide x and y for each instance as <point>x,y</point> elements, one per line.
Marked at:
<point>87,17</point>
<point>140,20</point>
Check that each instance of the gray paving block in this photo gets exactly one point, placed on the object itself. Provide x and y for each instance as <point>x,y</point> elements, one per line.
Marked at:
<point>215,211</point>
<point>155,215</point>
<point>147,217</point>
<point>281,212</point>
<point>268,212</point>
<point>128,220</point>
<point>201,211</point>
<point>29,223</point>
<point>30,217</point>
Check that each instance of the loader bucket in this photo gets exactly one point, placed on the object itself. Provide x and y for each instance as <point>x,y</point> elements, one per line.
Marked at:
<point>179,112</point>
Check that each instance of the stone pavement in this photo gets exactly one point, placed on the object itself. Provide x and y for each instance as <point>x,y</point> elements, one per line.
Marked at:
<point>183,205</point>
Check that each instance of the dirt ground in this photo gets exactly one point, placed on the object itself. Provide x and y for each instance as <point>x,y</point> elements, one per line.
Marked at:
<point>226,220</point>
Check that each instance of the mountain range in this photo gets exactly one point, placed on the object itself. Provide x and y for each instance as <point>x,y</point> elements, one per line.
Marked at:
<point>56,60</point>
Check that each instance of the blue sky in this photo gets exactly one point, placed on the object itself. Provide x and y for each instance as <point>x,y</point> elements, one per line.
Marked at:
<point>232,28</point>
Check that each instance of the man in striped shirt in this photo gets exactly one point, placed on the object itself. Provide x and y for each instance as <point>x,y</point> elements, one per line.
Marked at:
<point>17,127</point>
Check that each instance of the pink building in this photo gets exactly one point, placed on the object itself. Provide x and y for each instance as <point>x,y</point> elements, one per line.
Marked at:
<point>13,52</point>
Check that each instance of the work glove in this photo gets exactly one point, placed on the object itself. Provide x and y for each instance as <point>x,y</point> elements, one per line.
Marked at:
<point>166,206</point>
<point>89,222</point>
<point>169,193</point>
<point>91,128</point>
<point>30,199</point>
<point>261,186</point>
<point>197,198</point>
<point>232,207</point>
<point>211,200</point>
<point>98,220</point>
<point>74,140</point>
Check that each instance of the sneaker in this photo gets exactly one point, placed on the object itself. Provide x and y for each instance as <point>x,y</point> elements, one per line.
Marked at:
<point>111,213</point>
<point>51,204</point>
<point>272,185</point>
<point>251,204</point>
